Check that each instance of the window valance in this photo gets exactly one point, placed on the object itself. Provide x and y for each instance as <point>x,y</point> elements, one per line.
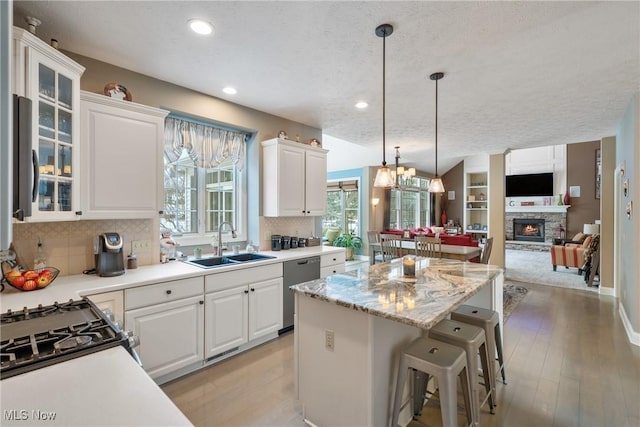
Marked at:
<point>207,146</point>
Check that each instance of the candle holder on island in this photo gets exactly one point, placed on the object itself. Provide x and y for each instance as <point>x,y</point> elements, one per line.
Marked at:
<point>409,266</point>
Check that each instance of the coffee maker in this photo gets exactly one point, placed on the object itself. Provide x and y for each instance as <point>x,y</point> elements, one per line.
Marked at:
<point>109,255</point>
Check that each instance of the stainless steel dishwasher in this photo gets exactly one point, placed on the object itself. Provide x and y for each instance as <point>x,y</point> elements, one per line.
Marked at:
<point>296,271</point>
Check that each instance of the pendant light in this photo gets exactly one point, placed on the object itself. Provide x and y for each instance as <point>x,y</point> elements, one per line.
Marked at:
<point>383,177</point>
<point>436,185</point>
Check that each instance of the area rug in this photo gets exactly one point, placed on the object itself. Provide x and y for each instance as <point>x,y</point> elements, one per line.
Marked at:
<point>512,295</point>
<point>535,267</point>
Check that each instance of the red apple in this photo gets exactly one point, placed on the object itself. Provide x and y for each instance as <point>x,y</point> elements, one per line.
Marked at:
<point>43,281</point>
<point>45,272</point>
<point>12,274</point>
<point>17,281</point>
<point>29,285</point>
<point>30,275</point>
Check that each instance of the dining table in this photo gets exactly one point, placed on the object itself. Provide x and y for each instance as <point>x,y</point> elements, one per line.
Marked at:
<point>408,246</point>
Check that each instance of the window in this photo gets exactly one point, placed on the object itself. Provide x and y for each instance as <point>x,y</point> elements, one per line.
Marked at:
<point>410,205</point>
<point>200,196</point>
<point>343,206</point>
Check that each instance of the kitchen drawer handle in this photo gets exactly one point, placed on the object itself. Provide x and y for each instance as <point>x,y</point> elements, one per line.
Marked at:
<point>168,291</point>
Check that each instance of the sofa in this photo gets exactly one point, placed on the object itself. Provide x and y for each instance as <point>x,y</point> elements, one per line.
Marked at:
<point>570,254</point>
<point>447,239</point>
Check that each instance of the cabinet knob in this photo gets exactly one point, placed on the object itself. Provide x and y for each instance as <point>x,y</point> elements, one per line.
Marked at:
<point>161,212</point>
<point>168,291</point>
<point>78,213</point>
<point>201,302</point>
<point>253,290</point>
<point>334,271</point>
<point>246,291</point>
<point>308,211</point>
<point>335,259</point>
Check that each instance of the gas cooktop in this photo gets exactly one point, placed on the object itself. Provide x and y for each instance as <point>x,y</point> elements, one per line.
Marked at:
<point>36,337</point>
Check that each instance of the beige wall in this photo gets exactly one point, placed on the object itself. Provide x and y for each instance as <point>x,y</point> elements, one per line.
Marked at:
<point>581,171</point>
<point>497,209</point>
<point>607,199</point>
<point>453,180</point>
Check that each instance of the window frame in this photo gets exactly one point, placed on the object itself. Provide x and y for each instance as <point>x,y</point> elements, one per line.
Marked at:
<point>202,237</point>
<point>358,210</point>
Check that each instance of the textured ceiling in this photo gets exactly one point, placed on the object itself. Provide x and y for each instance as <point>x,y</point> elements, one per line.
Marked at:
<point>517,74</point>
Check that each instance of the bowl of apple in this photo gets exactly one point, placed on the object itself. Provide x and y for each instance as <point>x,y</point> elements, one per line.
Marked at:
<point>31,280</point>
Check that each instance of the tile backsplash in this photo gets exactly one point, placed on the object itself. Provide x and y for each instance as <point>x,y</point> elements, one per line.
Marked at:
<point>288,226</point>
<point>68,245</point>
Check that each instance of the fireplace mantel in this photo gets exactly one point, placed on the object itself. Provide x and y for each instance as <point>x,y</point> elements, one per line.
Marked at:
<point>538,208</point>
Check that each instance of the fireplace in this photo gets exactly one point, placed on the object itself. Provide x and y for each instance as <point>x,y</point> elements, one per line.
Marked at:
<point>528,229</point>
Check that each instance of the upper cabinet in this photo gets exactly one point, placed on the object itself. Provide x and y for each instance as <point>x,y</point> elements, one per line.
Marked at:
<point>52,82</point>
<point>294,179</point>
<point>122,158</point>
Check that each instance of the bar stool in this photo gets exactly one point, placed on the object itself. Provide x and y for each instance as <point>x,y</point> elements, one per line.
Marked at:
<point>488,320</point>
<point>472,340</point>
<point>425,357</point>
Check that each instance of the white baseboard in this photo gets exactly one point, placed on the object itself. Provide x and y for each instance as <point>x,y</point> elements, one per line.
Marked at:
<point>606,291</point>
<point>634,337</point>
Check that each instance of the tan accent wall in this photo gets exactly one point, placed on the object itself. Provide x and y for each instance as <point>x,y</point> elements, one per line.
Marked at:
<point>581,171</point>
<point>607,200</point>
<point>497,209</point>
<point>453,180</point>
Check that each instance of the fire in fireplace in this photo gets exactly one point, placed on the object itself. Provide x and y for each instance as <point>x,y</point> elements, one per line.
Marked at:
<point>528,229</point>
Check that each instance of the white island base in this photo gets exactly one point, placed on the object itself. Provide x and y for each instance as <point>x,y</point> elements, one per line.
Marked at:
<point>353,383</point>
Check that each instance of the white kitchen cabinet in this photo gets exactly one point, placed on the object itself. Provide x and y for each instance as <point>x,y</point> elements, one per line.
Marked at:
<point>122,158</point>
<point>242,306</point>
<point>332,263</point>
<point>169,320</point>
<point>112,301</point>
<point>294,179</point>
<point>227,316</point>
<point>52,82</point>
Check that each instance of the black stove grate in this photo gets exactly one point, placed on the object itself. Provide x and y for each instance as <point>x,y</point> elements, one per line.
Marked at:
<point>41,336</point>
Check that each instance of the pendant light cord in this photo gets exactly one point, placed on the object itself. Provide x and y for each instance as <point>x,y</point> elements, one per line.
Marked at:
<point>436,128</point>
<point>384,61</point>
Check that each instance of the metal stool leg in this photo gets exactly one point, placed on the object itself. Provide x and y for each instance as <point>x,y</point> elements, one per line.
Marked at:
<point>498,339</point>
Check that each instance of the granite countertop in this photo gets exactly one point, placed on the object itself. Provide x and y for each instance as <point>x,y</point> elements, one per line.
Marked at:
<point>439,286</point>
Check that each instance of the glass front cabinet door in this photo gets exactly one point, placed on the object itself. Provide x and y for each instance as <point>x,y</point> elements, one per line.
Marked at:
<point>52,82</point>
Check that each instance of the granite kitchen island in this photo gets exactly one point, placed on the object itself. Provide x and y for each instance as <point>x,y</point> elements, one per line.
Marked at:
<point>350,329</point>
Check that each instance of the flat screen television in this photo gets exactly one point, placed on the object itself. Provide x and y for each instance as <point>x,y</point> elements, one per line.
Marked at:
<point>533,184</point>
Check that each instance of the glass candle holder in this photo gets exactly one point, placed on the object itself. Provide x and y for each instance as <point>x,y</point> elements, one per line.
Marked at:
<point>409,266</point>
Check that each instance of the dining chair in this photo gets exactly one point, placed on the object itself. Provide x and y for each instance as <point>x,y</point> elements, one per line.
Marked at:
<point>428,246</point>
<point>375,247</point>
<point>486,252</point>
<point>391,246</point>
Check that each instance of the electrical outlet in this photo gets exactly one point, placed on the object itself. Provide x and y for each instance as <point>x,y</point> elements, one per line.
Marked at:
<point>329,339</point>
<point>141,245</point>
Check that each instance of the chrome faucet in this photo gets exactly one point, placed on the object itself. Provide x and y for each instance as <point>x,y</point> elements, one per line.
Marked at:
<point>233,234</point>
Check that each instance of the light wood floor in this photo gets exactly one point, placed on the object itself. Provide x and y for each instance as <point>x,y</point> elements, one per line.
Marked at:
<point>568,359</point>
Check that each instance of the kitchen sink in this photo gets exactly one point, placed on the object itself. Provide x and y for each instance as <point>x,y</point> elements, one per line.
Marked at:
<point>217,261</point>
<point>248,257</point>
<point>220,261</point>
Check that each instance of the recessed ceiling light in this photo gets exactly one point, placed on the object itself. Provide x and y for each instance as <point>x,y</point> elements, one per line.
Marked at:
<point>361,105</point>
<point>229,90</point>
<point>201,27</point>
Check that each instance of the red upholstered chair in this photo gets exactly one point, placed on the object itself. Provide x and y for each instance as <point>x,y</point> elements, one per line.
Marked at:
<point>570,254</point>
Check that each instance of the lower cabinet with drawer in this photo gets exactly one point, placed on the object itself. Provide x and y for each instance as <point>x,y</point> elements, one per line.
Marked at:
<point>333,263</point>
<point>239,309</point>
<point>168,318</point>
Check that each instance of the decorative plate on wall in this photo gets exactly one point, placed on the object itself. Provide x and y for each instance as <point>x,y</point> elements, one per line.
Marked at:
<point>116,90</point>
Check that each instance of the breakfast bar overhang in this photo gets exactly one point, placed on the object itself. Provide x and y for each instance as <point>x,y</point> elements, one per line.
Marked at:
<point>350,329</point>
